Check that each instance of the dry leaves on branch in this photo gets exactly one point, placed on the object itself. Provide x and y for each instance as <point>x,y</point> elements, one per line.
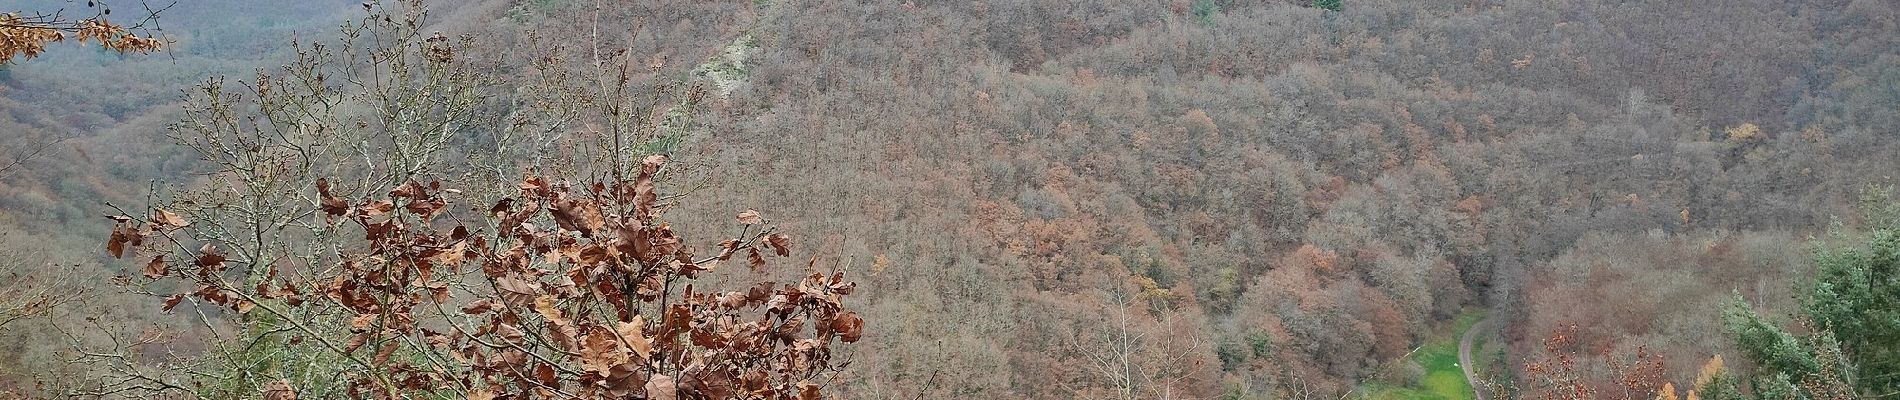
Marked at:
<point>578,291</point>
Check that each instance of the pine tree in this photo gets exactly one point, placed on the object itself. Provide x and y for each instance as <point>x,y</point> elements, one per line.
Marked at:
<point>1853,305</point>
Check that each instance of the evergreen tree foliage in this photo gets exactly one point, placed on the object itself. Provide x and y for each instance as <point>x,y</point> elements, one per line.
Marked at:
<point>1851,308</point>
<point>1763,342</point>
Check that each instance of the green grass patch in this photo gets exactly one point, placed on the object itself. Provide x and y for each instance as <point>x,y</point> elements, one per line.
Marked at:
<point>1443,379</point>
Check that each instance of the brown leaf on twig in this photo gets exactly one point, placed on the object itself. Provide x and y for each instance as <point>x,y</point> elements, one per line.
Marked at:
<point>781,244</point>
<point>169,219</point>
<point>156,268</point>
<point>279,390</point>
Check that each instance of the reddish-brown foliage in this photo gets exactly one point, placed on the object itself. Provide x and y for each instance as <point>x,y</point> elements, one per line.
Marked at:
<point>1560,374</point>
<point>599,304</point>
<point>28,36</point>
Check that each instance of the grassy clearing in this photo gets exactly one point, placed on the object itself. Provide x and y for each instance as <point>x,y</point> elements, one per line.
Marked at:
<point>1443,379</point>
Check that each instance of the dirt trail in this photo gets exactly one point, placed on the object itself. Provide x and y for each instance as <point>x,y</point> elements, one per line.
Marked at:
<point>1464,359</point>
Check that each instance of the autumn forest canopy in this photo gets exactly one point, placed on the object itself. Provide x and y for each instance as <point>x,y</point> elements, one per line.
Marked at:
<point>1048,199</point>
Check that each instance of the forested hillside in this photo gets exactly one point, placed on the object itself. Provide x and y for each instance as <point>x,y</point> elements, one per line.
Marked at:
<point>1044,198</point>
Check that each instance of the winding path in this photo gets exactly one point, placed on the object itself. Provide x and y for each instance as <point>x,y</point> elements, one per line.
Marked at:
<point>1464,358</point>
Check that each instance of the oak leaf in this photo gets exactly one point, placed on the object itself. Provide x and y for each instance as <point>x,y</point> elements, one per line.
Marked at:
<point>356,341</point>
<point>644,192</point>
<point>727,248</point>
<point>173,301</point>
<point>279,390</point>
<point>781,244</point>
<point>388,350</point>
<point>582,216</point>
<point>808,391</point>
<point>168,218</point>
<point>662,387</point>
<point>633,333</point>
<point>601,351</point>
<point>123,236</point>
<point>545,373</point>
<point>849,326</point>
<point>156,268</point>
<point>208,256</point>
<point>362,322</point>
<point>480,306</point>
<point>545,305</point>
<point>331,206</point>
<point>377,208</point>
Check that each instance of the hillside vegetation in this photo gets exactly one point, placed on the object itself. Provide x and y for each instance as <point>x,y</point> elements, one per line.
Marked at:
<point>1069,199</point>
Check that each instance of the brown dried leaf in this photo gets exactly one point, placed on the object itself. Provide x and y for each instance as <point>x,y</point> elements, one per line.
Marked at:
<point>544,372</point>
<point>173,301</point>
<point>757,260</point>
<point>480,306</point>
<point>453,256</point>
<point>593,255</point>
<point>808,391</point>
<point>328,202</point>
<point>510,332</point>
<point>389,349</point>
<point>208,256</point>
<point>750,217</point>
<point>633,333</point>
<point>533,184</point>
<point>426,208</point>
<point>582,216</point>
<point>212,294</point>
<point>601,351</point>
<point>644,195</point>
<point>563,335</point>
<point>651,287</point>
<point>759,293</point>
<point>727,248</point>
<point>546,305</point>
<point>481,394</point>
<point>409,189</point>
<point>356,341</point>
<point>170,219</point>
<point>362,322</point>
<point>788,330</point>
<point>155,269</point>
<point>123,236</point>
<point>279,390</point>
<point>651,164</point>
<point>781,244</point>
<point>662,387</point>
<point>517,290</point>
<point>849,326</point>
<point>377,208</point>
<point>502,206</point>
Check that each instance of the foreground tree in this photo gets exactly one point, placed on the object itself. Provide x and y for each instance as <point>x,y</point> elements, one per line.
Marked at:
<point>1562,372</point>
<point>26,35</point>
<point>595,300</point>
<point>319,264</point>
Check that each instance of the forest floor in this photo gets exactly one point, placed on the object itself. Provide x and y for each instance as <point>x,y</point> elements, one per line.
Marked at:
<point>1444,377</point>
